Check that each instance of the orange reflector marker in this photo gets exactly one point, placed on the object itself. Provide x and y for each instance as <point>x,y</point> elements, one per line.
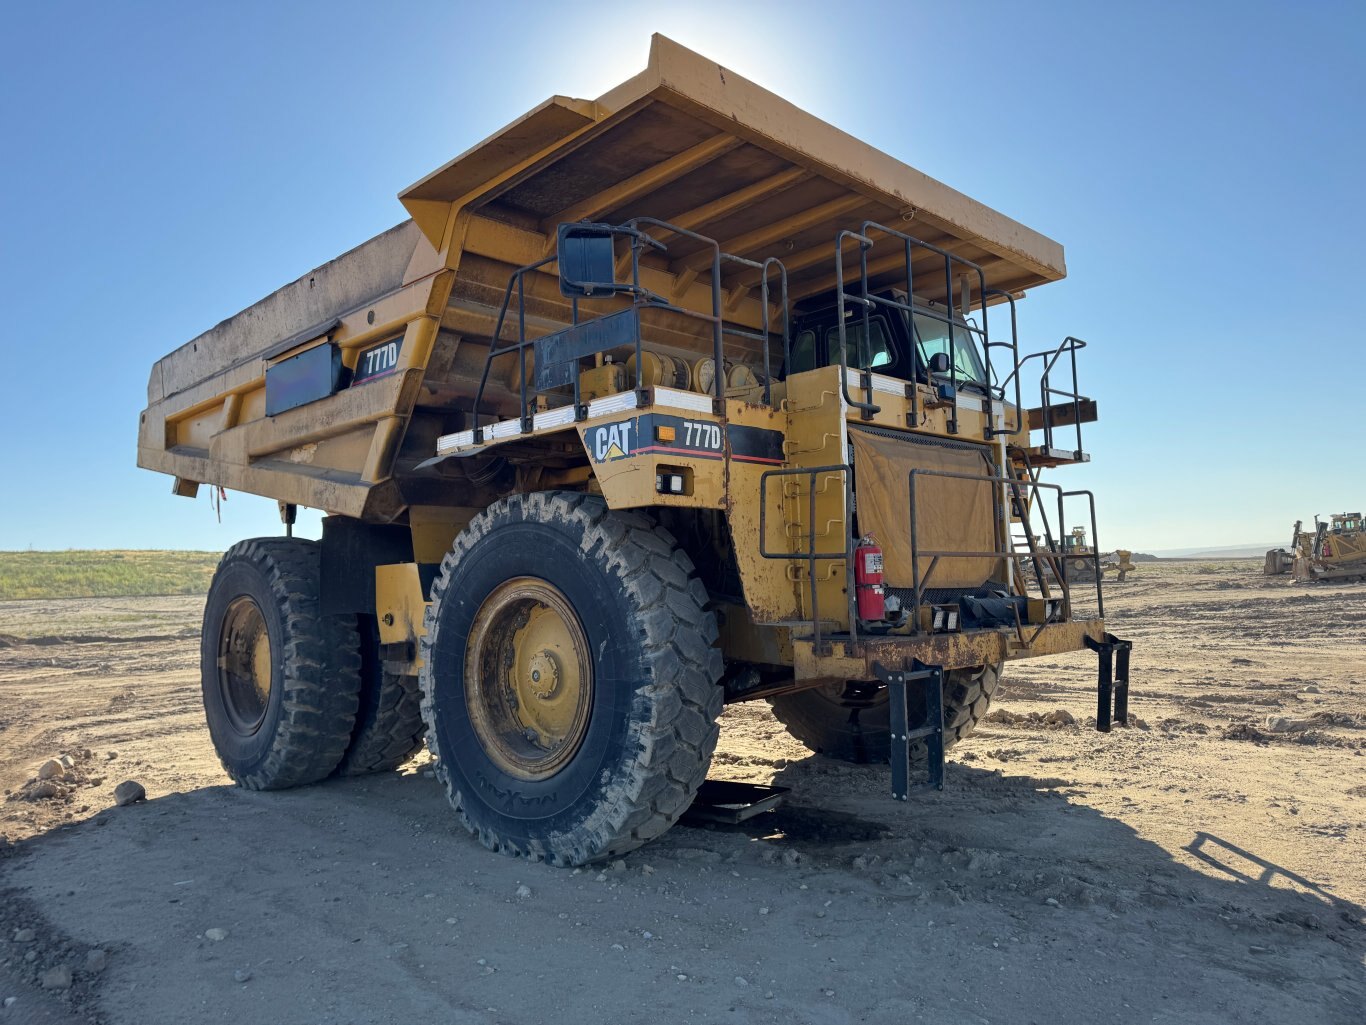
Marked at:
<point>664,434</point>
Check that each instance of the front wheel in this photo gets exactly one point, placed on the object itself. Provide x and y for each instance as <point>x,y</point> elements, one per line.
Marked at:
<point>569,678</point>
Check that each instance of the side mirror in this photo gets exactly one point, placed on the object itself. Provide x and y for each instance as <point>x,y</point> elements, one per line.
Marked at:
<point>939,363</point>
<point>585,256</point>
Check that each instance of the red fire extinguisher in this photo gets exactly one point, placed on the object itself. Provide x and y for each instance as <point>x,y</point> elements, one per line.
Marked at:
<point>870,597</point>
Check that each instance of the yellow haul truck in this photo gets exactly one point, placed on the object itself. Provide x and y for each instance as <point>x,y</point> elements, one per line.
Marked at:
<point>662,400</point>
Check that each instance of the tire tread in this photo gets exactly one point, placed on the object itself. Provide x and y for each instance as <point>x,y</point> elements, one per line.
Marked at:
<point>319,667</point>
<point>676,712</point>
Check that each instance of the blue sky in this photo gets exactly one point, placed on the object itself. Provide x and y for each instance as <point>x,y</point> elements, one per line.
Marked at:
<point>166,165</point>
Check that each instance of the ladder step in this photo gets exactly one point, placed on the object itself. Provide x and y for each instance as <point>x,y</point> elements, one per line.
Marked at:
<point>924,731</point>
<point>1112,683</point>
<point>931,680</point>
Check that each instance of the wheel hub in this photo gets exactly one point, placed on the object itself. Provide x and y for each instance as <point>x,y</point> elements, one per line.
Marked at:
<point>528,678</point>
<point>545,674</point>
<point>244,665</point>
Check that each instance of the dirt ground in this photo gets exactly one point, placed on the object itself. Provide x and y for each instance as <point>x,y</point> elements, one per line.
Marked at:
<point>1206,866</point>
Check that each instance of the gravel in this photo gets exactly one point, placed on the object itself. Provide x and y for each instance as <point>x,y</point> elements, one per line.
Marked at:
<point>57,978</point>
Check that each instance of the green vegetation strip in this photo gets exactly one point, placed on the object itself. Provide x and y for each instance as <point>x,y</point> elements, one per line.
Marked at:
<point>83,574</point>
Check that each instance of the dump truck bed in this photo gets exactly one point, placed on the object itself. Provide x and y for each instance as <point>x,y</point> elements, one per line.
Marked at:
<point>686,141</point>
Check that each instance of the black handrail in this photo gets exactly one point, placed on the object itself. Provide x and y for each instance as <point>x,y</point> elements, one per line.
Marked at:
<point>1070,346</point>
<point>643,297</point>
<point>514,281</point>
<point>809,554</point>
<point>720,330</point>
<point>1095,546</point>
<point>1014,346</point>
<point>950,259</point>
<point>718,325</point>
<point>910,310</point>
<point>866,379</point>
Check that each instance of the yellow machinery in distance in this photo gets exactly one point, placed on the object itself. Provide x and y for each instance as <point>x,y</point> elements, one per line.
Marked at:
<point>1120,560</point>
<point>1335,550</point>
<point>671,398</point>
<point>1083,563</point>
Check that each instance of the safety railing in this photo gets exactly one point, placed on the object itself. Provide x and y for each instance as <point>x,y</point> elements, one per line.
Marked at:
<point>958,329</point>
<point>1069,347</point>
<point>1003,553</point>
<point>809,554</point>
<point>1013,347</point>
<point>583,338</point>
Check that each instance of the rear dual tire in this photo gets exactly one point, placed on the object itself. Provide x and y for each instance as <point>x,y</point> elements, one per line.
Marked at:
<point>389,728</point>
<point>280,681</point>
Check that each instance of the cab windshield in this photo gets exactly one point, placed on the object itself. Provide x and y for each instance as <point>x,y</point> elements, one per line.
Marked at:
<point>932,336</point>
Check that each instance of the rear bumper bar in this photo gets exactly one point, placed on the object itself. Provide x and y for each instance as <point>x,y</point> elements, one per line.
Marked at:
<point>837,659</point>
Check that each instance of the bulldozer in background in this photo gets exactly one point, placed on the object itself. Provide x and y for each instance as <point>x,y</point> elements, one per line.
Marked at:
<point>1335,550</point>
<point>589,429</point>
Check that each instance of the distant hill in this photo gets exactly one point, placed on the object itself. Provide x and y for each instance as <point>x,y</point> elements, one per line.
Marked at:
<point>95,574</point>
<point>1243,551</point>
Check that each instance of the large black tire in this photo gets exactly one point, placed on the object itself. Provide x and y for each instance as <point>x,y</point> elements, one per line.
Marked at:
<point>650,727</point>
<point>851,722</point>
<point>266,590</point>
<point>389,729</point>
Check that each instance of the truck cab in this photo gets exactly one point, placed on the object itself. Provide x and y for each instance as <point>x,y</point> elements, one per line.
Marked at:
<point>897,345</point>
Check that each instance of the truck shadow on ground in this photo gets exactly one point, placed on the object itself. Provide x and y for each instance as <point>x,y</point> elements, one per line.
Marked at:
<point>372,883</point>
<point>1022,840</point>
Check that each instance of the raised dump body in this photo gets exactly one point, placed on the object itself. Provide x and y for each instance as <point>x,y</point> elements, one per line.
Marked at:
<point>660,400</point>
<point>685,141</point>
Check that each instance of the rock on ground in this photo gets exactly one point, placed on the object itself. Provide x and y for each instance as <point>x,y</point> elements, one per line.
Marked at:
<point>130,791</point>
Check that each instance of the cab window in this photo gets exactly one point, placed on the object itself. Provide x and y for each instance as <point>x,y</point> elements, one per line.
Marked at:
<point>803,352</point>
<point>879,350</point>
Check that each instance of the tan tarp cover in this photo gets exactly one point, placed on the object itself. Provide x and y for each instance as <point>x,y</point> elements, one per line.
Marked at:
<point>951,514</point>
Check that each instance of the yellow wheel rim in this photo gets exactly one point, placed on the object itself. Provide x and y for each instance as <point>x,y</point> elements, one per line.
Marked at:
<point>528,678</point>
<point>244,665</point>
